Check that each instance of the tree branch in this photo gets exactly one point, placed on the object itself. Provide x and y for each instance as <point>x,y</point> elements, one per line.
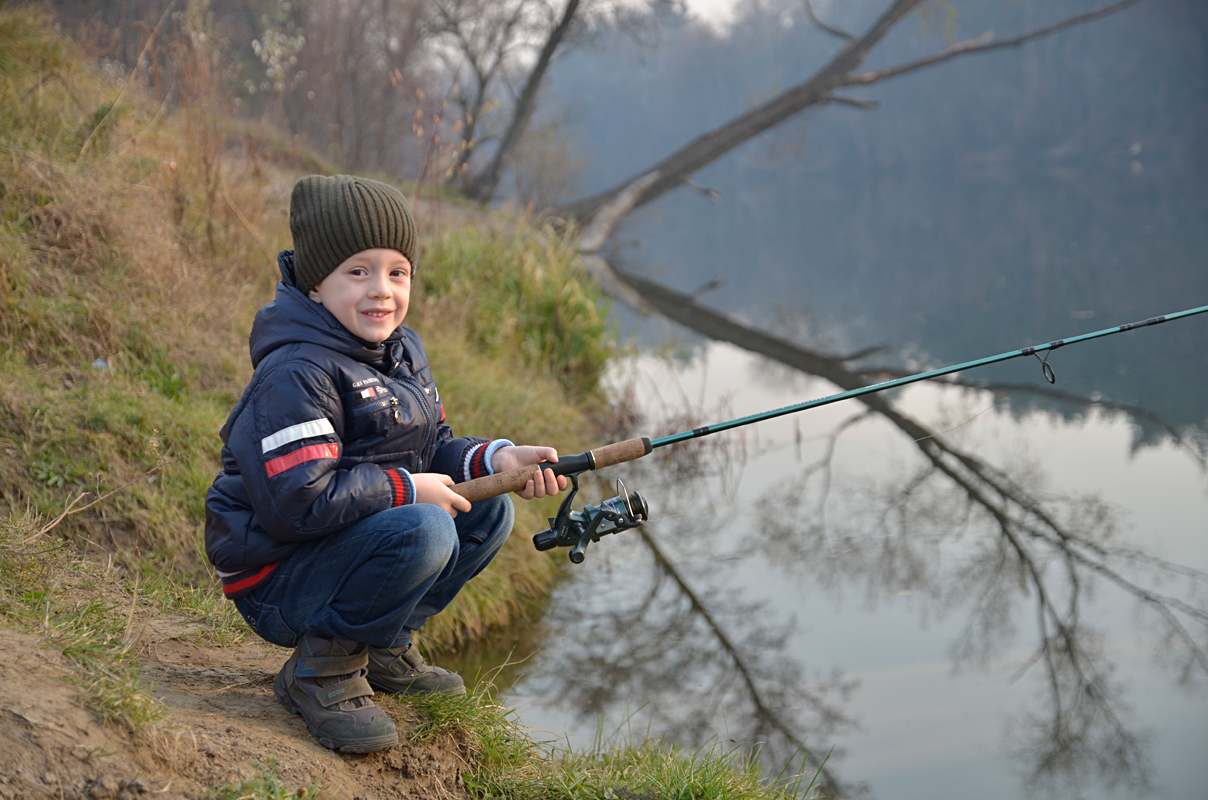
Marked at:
<point>822,26</point>
<point>982,44</point>
<point>709,147</point>
<point>856,102</point>
<point>703,150</point>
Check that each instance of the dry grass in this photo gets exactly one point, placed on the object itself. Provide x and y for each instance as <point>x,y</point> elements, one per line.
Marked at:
<point>130,271</point>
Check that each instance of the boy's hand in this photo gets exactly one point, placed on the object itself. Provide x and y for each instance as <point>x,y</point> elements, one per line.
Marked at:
<point>506,458</point>
<point>433,487</point>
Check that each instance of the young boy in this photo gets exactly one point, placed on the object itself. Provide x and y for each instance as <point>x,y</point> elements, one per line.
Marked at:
<point>332,522</point>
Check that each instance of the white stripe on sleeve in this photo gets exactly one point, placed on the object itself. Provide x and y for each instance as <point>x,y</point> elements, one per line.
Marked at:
<point>303,430</point>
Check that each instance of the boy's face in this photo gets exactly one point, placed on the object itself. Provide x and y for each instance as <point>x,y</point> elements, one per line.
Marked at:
<point>368,293</point>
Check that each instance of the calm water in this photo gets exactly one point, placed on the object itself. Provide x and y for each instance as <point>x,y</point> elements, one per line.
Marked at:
<point>813,579</point>
<point>847,613</point>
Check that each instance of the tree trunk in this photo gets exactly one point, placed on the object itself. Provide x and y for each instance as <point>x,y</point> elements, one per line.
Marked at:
<point>483,186</point>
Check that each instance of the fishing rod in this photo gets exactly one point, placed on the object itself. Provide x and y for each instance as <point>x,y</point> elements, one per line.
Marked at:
<point>576,529</point>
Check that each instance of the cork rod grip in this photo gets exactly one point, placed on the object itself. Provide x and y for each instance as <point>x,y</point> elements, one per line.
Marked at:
<point>514,480</point>
<point>621,452</point>
<point>494,485</point>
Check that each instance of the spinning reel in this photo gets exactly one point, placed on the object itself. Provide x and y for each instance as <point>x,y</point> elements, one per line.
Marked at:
<point>575,529</point>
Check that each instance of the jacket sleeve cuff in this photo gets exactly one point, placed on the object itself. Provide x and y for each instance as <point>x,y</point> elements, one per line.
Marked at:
<point>402,488</point>
<point>476,463</point>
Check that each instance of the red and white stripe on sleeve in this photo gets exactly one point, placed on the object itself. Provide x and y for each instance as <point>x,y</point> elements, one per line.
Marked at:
<point>313,429</point>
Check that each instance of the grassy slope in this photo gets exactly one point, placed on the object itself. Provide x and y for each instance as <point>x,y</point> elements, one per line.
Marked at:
<point>136,244</point>
<point>149,253</point>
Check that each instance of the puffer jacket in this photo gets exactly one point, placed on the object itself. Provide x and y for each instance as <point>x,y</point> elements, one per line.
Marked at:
<point>327,432</point>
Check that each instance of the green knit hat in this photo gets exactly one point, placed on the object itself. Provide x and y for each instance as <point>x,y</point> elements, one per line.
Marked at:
<point>334,218</point>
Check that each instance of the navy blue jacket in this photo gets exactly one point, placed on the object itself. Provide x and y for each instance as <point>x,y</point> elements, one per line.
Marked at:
<point>327,432</point>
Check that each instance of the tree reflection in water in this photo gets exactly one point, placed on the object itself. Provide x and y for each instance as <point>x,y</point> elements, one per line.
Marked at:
<point>967,535</point>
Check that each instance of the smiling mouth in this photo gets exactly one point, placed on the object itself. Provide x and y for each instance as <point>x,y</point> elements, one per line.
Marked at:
<point>378,315</point>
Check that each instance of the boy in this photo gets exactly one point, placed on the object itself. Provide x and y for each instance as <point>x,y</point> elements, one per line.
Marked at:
<point>332,523</point>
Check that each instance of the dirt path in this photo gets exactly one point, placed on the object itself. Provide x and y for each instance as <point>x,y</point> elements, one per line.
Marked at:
<point>222,720</point>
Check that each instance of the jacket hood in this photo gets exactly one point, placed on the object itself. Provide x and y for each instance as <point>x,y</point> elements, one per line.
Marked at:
<point>293,317</point>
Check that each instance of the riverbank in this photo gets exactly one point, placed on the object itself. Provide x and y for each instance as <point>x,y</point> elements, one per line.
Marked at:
<point>137,240</point>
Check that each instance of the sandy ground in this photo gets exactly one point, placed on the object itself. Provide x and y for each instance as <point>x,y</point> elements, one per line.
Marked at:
<point>222,719</point>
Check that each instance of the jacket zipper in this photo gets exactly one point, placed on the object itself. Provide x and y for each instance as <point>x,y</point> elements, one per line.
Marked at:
<point>428,430</point>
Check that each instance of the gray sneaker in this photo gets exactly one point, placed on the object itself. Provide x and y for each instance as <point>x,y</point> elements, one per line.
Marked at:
<point>402,670</point>
<point>324,681</point>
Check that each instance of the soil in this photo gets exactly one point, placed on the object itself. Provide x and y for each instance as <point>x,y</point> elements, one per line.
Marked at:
<point>222,720</point>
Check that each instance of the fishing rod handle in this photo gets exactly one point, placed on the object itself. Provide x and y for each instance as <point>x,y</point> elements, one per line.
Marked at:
<point>514,479</point>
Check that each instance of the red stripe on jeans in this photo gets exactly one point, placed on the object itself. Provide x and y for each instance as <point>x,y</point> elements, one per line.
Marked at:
<point>312,453</point>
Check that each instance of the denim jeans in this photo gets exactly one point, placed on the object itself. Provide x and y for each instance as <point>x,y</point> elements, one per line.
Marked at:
<point>381,577</point>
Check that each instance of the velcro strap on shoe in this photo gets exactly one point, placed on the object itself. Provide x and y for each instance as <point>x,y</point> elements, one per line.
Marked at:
<point>349,689</point>
<point>413,659</point>
<point>329,666</point>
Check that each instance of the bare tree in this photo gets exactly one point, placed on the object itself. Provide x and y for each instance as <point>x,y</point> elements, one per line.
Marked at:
<point>820,88</point>
<point>508,47</point>
<point>351,90</point>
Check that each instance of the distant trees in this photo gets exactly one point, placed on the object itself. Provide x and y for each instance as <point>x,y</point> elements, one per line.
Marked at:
<point>350,86</point>
<point>443,90</point>
<point>447,89</point>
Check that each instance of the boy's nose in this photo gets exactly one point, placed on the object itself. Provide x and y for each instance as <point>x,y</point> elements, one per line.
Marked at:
<point>380,287</point>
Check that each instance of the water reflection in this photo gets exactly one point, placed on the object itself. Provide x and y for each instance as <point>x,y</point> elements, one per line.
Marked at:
<point>686,628</point>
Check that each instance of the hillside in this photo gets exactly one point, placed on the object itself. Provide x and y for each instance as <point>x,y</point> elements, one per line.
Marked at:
<point>137,240</point>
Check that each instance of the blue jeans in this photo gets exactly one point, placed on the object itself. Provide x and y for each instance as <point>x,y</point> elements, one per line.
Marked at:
<point>381,577</point>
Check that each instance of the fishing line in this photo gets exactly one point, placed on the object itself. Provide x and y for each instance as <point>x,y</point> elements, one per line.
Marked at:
<point>1005,398</point>
<point>811,478</point>
<point>577,529</point>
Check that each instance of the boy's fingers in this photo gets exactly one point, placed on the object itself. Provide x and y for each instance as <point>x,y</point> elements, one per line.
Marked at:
<point>458,502</point>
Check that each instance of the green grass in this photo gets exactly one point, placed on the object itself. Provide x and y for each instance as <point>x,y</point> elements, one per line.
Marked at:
<point>508,763</point>
<point>520,296</point>
<point>220,623</point>
<point>265,785</point>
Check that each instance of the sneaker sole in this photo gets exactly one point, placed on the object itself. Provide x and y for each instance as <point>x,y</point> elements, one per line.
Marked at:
<point>358,746</point>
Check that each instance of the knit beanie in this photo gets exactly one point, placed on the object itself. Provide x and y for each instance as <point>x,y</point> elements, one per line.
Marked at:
<point>332,218</point>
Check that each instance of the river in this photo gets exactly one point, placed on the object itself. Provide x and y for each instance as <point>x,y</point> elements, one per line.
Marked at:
<point>1006,609</point>
<point>848,625</point>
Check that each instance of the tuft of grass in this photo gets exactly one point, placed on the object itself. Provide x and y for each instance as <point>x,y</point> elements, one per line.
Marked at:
<point>41,594</point>
<point>264,785</point>
<point>506,762</point>
<point>519,296</point>
<point>221,623</point>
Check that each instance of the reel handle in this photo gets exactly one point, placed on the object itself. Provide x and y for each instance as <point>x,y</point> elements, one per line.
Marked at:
<point>514,479</point>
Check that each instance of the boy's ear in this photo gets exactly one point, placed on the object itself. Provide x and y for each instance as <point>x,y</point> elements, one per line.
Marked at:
<point>313,294</point>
